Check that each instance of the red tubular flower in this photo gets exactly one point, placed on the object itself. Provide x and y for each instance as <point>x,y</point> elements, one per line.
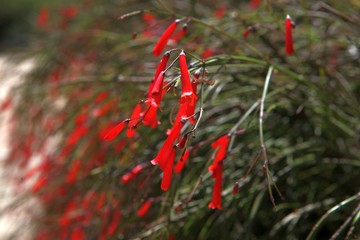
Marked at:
<point>144,209</point>
<point>127,177</point>
<point>163,156</point>
<point>187,90</point>
<point>115,131</point>
<point>150,118</point>
<point>254,4</point>
<point>43,17</point>
<point>181,163</point>
<point>180,34</point>
<point>216,196</point>
<point>114,223</point>
<point>160,45</point>
<point>160,68</point>
<point>42,181</point>
<point>134,119</point>
<point>247,31</point>
<point>78,234</point>
<point>158,84</point>
<point>73,172</point>
<point>289,48</point>
<point>168,171</point>
<point>222,145</point>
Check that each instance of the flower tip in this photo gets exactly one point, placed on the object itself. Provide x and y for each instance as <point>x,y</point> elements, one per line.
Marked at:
<point>288,16</point>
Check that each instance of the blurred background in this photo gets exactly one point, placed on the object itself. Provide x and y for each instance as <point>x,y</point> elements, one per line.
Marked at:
<point>70,71</point>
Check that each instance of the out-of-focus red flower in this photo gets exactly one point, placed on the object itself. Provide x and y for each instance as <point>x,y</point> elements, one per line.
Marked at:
<point>254,4</point>
<point>207,53</point>
<point>144,209</point>
<point>289,48</point>
<point>77,234</point>
<point>39,184</point>
<point>129,176</point>
<point>216,196</point>
<point>220,12</point>
<point>43,17</point>
<point>247,31</point>
<point>114,223</point>
<point>68,12</point>
<point>160,45</point>
<point>74,171</point>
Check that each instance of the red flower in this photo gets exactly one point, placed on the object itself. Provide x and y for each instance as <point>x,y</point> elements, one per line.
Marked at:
<point>180,34</point>
<point>134,119</point>
<point>161,67</point>
<point>216,196</point>
<point>42,181</point>
<point>168,171</point>
<point>186,87</point>
<point>222,145</point>
<point>254,4</point>
<point>247,31</point>
<point>114,223</point>
<point>166,150</point>
<point>144,209</point>
<point>115,131</point>
<point>289,48</point>
<point>78,234</point>
<point>181,163</point>
<point>132,174</point>
<point>220,12</point>
<point>160,45</point>
<point>73,172</point>
<point>150,118</point>
<point>43,17</point>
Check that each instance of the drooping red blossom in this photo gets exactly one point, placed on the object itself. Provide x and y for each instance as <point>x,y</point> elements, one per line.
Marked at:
<point>74,171</point>
<point>216,196</point>
<point>207,53</point>
<point>222,145</point>
<point>235,189</point>
<point>160,45</point>
<point>150,118</point>
<point>220,12</point>
<point>158,84</point>
<point>134,119</point>
<point>181,163</point>
<point>68,12</point>
<point>160,68</point>
<point>180,34</point>
<point>104,109</point>
<point>43,17</point>
<point>39,184</point>
<point>144,209</point>
<point>77,234</point>
<point>254,4</point>
<point>164,153</point>
<point>114,132</point>
<point>114,223</point>
<point>289,48</point>
<point>187,90</point>
<point>247,31</point>
<point>168,171</point>
<point>147,17</point>
<point>6,103</point>
<point>77,133</point>
<point>100,97</point>
<point>129,176</point>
